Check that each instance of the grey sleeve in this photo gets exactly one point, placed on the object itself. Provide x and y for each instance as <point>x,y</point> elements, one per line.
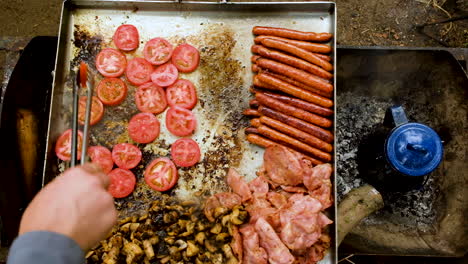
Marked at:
<point>42,247</point>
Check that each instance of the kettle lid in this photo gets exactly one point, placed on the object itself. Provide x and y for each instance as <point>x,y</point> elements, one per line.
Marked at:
<point>414,149</point>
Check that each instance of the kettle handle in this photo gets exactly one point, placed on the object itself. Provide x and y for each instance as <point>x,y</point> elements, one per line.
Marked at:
<point>395,116</point>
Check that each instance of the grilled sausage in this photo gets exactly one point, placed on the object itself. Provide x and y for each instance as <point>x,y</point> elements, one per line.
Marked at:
<point>301,104</point>
<point>291,34</point>
<point>292,111</point>
<point>314,130</point>
<point>291,60</point>
<point>296,133</point>
<point>254,58</point>
<point>294,143</point>
<point>255,122</point>
<point>301,53</point>
<point>296,74</point>
<point>259,140</point>
<point>253,103</point>
<point>256,68</point>
<point>270,82</point>
<point>313,47</point>
<point>251,112</point>
<point>251,130</point>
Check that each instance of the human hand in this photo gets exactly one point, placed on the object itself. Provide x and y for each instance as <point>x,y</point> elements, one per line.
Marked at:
<point>75,204</point>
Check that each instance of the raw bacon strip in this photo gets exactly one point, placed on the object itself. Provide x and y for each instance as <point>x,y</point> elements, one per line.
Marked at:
<point>253,253</point>
<point>278,253</point>
<point>238,185</point>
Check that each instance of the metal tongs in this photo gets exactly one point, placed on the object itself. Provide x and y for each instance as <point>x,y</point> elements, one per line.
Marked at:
<point>88,83</point>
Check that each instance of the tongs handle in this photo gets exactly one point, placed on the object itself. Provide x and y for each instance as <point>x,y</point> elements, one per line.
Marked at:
<point>85,80</point>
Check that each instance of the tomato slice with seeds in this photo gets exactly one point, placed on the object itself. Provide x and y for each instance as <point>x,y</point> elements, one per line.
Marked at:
<point>185,152</point>
<point>126,155</point>
<point>138,71</point>
<point>111,91</point>
<point>63,145</point>
<point>102,157</point>
<point>143,128</point>
<point>97,110</point>
<point>165,75</point>
<point>186,58</point>
<point>111,63</point>
<point>182,93</point>
<point>122,183</point>
<point>150,98</point>
<point>126,37</point>
<point>161,174</point>
<point>180,121</point>
<point>157,51</point>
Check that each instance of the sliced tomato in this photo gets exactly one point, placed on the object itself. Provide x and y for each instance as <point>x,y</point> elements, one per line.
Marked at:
<point>143,128</point>
<point>157,51</point>
<point>111,91</point>
<point>122,183</point>
<point>182,93</point>
<point>97,110</point>
<point>111,63</point>
<point>126,155</point>
<point>83,73</point>
<point>150,98</point>
<point>180,121</point>
<point>186,58</point>
<point>63,145</point>
<point>161,174</point>
<point>101,156</point>
<point>126,37</point>
<point>165,75</point>
<point>138,71</point>
<point>185,152</point>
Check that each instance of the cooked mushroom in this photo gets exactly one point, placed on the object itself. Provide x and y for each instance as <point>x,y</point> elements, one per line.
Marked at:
<point>220,211</point>
<point>222,237</point>
<point>148,248</point>
<point>154,240</point>
<point>216,229</point>
<point>169,240</point>
<point>180,244</point>
<point>209,245</point>
<point>192,249</point>
<point>200,238</point>
<point>165,260</point>
<point>238,217</point>
<point>132,251</point>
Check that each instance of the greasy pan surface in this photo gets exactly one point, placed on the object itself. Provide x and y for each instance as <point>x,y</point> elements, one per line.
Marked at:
<point>222,34</point>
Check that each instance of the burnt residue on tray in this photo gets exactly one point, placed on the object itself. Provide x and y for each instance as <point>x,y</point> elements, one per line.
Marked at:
<point>87,44</point>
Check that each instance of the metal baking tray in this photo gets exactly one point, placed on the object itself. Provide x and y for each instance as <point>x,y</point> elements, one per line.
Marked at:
<point>222,33</point>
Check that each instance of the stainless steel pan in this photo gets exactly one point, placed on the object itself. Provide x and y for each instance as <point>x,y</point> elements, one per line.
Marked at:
<point>222,33</point>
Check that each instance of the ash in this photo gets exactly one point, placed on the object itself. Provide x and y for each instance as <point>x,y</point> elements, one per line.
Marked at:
<point>358,117</point>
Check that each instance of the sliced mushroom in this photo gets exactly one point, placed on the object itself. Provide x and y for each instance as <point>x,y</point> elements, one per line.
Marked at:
<point>192,249</point>
<point>216,229</point>
<point>210,246</point>
<point>238,217</point>
<point>222,237</point>
<point>200,238</point>
<point>220,211</point>
<point>180,244</point>
<point>132,251</point>
<point>154,240</point>
<point>227,250</point>
<point>165,259</point>
<point>148,248</point>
